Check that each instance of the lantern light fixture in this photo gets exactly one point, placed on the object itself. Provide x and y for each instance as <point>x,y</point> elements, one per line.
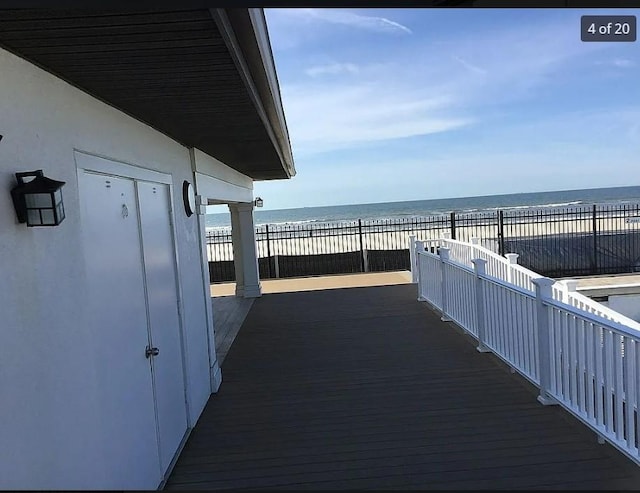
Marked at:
<point>38,202</point>
<point>258,202</point>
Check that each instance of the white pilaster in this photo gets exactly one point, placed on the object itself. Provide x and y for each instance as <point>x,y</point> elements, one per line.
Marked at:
<point>214,369</point>
<point>245,252</point>
<point>236,240</point>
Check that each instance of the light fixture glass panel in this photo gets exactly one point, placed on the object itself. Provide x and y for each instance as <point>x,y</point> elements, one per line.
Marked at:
<point>60,212</point>
<point>58,196</point>
<point>48,216</point>
<point>38,200</point>
<point>33,216</point>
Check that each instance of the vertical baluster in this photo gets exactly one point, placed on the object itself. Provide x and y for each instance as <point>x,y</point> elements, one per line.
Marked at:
<point>630,348</point>
<point>520,331</point>
<point>618,386</point>
<point>608,380</point>
<point>490,318</point>
<point>444,257</point>
<point>573,384</point>
<point>581,334</point>
<point>556,334</point>
<point>421,277</point>
<point>500,343</point>
<point>531,338</point>
<point>554,351</point>
<point>599,378</point>
<point>529,308</point>
<point>507,330</point>
<point>479,266</point>
<point>563,337</point>
<point>636,374</point>
<point>589,370</point>
<point>512,326</point>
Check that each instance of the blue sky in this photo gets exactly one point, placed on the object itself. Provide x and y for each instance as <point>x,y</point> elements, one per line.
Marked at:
<point>389,105</point>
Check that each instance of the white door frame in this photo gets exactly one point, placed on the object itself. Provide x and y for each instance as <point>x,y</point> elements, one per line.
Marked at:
<point>86,161</point>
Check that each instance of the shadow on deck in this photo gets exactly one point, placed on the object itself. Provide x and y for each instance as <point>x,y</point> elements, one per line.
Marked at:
<point>366,388</point>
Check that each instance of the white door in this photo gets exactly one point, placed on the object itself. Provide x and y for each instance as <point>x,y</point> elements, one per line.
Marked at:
<point>130,266</point>
<point>115,281</point>
<point>164,319</point>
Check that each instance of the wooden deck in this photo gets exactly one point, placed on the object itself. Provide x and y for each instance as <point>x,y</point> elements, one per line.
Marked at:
<point>229,313</point>
<point>365,388</point>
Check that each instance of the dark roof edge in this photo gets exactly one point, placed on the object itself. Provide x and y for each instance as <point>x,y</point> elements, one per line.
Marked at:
<point>245,33</point>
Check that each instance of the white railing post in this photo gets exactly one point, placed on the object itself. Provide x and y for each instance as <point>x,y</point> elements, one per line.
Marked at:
<point>444,256</point>
<point>513,260</point>
<point>419,274</point>
<point>568,286</point>
<point>412,258</point>
<point>475,242</point>
<point>544,294</point>
<point>480,269</point>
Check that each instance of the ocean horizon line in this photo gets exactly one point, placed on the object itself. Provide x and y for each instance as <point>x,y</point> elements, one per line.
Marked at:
<point>415,210</point>
<point>465,197</point>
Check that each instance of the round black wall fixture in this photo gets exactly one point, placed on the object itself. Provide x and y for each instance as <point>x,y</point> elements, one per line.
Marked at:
<point>188,198</point>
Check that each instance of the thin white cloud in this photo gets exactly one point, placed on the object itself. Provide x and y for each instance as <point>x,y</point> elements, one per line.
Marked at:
<point>623,63</point>
<point>469,66</point>
<point>333,69</point>
<point>618,62</point>
<point>325,117</point>
<point>370,23</point>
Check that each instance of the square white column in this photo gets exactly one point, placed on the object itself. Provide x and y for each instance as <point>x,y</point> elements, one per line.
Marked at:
<point>245,252</point>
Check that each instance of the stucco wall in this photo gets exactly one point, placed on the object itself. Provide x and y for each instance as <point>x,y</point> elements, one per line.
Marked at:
<point>50,428</point>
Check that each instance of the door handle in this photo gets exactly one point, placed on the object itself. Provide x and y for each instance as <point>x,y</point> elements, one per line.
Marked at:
<point>151,351</point>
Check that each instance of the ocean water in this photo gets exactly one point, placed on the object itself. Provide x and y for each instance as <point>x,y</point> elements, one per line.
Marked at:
<point>418,208</point>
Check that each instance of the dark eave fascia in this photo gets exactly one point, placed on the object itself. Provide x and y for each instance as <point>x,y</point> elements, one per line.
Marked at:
<point>255,77</point>
<point>269,70</point>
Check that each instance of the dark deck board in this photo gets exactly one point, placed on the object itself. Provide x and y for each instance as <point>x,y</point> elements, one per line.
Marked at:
<point>366,388</point>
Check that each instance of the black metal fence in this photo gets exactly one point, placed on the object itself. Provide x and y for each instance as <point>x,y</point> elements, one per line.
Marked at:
<point>556,242</point>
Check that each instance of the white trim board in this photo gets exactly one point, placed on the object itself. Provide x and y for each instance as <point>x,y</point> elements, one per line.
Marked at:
<point>109,166</point>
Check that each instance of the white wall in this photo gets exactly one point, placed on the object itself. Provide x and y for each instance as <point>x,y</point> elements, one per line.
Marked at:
<point>217,181</point>
<point>627,304</point>
<point>49,434</point>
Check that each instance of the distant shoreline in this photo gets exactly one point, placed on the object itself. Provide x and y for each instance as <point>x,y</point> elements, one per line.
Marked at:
<point>415,211</point>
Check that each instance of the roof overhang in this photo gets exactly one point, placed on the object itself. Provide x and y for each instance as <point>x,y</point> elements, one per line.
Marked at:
<point>204,77</point>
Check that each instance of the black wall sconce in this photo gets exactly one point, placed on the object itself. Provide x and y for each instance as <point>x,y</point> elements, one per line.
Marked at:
<point>38,202</point>
<point>258,202</point>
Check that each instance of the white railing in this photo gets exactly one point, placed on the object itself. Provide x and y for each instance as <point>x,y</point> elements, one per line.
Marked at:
<point>579,356</point>
<point>595,373</point>
<point>507,268</point>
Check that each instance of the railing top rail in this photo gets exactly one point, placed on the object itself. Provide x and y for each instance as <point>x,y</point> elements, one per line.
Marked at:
<point>459,266</point>
<point>428,254</point>
<point>605,309</point>
<point>478,246</point>
<point>524,270</point>
<point>511,287</point>
<point>595,319</point>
